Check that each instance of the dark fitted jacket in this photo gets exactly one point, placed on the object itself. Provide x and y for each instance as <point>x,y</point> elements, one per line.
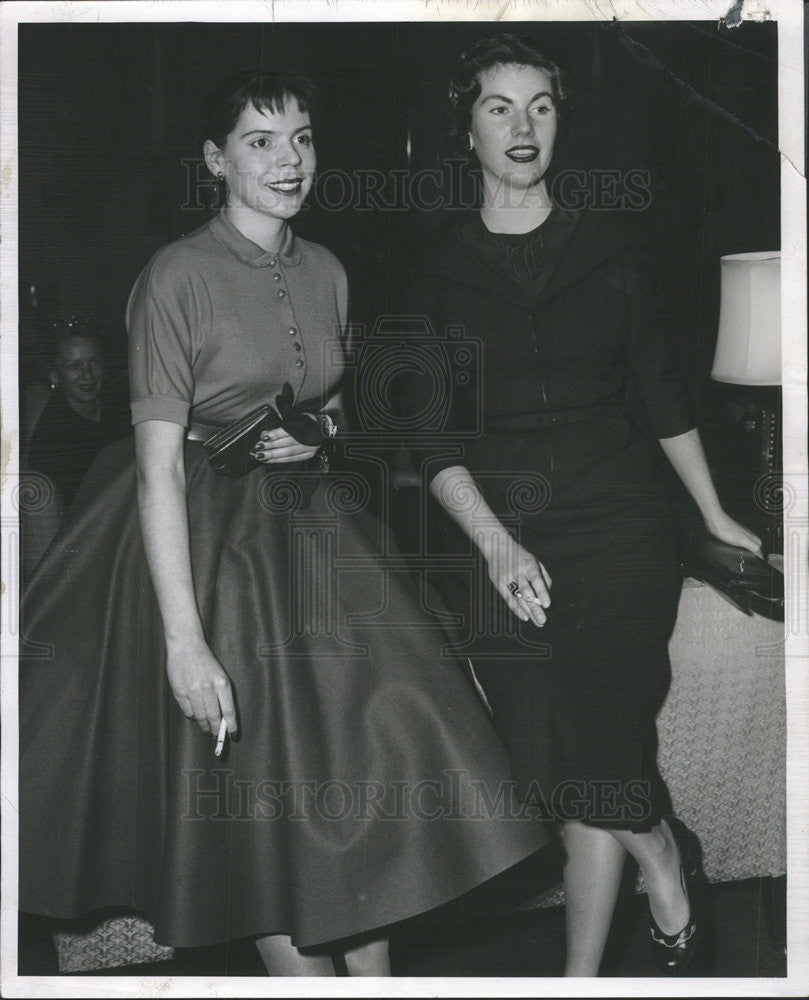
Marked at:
<point>587,339</point>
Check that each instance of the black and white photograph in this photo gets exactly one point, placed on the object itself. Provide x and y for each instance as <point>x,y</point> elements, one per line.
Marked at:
<point>404,499</point>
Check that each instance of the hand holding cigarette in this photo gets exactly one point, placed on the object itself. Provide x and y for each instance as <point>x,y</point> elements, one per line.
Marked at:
<point>201,686</point>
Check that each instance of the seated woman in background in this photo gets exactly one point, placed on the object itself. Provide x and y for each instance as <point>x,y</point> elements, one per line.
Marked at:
<point>71,424</point>
<point>79,418</point>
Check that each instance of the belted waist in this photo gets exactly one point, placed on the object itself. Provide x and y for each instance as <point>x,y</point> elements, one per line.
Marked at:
<point>201,432</point>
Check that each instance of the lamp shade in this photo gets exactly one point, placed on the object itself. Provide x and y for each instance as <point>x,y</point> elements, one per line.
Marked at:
<point>748,348</point>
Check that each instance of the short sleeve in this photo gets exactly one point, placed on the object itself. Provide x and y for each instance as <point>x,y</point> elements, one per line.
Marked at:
<point>160,323</point>
<point>656,374</point>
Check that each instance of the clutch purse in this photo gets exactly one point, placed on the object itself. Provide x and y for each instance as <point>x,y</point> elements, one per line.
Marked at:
<point>747,580</point>
<point>229,450</point>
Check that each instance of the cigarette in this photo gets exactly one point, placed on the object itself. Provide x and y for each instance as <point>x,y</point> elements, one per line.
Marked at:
<point>220,739</point>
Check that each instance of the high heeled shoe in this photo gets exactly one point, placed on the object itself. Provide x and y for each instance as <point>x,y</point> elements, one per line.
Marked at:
<point>673,953</point>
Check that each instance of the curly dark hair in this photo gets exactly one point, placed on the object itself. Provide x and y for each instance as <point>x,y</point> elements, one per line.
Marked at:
<point>267,91</point>
<point>499,50</point>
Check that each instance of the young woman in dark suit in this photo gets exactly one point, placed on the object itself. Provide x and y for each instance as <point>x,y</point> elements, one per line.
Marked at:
<point>577,384</point>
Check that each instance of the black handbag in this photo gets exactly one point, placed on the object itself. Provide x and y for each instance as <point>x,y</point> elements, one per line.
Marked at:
<point>747,580</point>
<point>229,450</point>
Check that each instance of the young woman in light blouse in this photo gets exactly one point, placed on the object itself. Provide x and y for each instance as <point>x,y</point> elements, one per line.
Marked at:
<point>345,799</point>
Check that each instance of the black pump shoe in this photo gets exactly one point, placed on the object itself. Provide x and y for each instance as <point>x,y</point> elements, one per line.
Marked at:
<point>673,953</point>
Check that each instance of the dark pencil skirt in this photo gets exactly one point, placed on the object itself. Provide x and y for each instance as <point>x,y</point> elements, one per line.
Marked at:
<point>575,701</point>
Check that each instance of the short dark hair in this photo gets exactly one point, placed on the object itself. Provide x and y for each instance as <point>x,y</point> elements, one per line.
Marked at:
<point>499,50</point>
<point>267,91</point>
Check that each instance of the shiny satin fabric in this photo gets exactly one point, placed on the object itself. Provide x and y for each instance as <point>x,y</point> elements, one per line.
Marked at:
<point>366,784</point>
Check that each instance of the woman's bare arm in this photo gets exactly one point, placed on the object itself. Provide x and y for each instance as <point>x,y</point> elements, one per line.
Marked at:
<point>200,684</point>
<point>507,561</point>
<point>686,454</point>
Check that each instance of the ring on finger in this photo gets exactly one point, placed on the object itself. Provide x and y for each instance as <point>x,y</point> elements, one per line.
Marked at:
<point>528,598</point>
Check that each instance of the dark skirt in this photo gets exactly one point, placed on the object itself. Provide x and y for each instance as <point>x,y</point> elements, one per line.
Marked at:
<point>575,701</point>
<point>366,784</point>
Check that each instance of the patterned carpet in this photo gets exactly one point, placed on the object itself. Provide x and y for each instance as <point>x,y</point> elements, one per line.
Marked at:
<point>470,941</point>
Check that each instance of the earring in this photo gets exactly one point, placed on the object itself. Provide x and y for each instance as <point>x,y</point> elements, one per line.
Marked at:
<point>53,386</point>
<point>221,196</point>
<point>467,142</point>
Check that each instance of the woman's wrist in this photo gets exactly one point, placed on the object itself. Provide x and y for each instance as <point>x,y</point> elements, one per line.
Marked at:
<point>457,492</point>
<point>713,517</point>
<point>190,634</point>
<point>492,541</point>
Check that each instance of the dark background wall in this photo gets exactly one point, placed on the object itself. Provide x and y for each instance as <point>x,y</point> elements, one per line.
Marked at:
<point>109,152</point>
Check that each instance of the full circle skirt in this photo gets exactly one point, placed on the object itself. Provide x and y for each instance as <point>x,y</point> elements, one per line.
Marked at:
<point>366,784</point>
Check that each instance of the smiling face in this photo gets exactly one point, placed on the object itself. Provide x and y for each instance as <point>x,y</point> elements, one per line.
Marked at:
<point>268,161</point>
<point>79,370</point>
<point>513,129</point>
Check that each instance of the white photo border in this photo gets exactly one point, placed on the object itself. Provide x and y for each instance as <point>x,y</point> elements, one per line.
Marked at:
<point>790,17</point>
